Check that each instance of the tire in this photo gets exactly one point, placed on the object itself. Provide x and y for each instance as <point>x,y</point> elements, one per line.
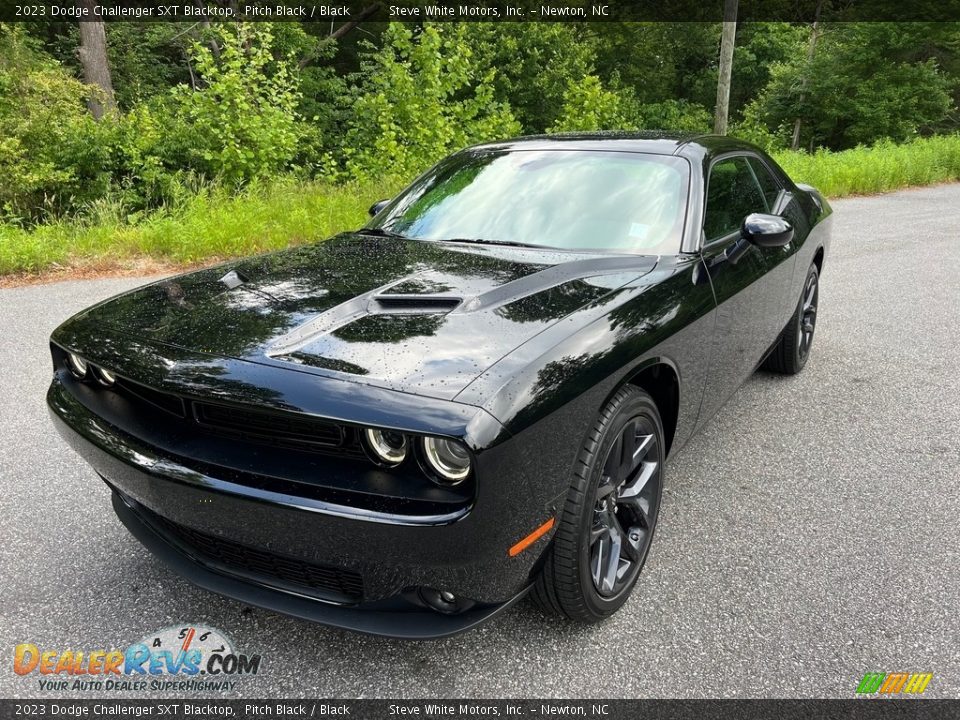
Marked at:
<point>613,494</point>
<point>792,350</point>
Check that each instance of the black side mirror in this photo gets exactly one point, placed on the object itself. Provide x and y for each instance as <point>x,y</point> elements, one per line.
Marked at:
<point>766,231</point>
<point>377,207</point>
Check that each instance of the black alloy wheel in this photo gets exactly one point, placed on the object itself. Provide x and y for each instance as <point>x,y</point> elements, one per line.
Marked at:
<point>607,523</point>
<point>793,349</point>
<point>808,315</point>
<point>625,508</point>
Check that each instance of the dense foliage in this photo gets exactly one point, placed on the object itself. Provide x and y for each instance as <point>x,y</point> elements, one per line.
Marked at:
<point>224,106</point>
<point>53,155</point>
<point>214,222</point>
<point>420,96</point>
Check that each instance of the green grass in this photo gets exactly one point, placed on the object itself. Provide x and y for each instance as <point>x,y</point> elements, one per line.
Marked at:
<point>212,224</point>
<point>881,168</point>
<point>215,223</point>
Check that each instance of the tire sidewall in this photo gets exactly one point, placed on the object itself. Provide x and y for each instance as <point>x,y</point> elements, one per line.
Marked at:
<point>638,403</point>
<point>801,359</point>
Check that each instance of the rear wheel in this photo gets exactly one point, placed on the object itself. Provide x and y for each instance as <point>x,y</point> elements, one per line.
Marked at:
<point>608,520</point>
<point>793,349</point>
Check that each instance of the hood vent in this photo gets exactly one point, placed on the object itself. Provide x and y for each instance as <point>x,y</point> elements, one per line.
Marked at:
<point>413,304</point>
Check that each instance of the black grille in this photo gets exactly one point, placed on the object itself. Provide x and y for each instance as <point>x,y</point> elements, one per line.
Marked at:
<point>330,583</point>
<point>283,429</point>
<point>287,430</point>
<point>164,401</point>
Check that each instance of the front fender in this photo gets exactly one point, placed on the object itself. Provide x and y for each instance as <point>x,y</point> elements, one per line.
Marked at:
<point>548,393</point>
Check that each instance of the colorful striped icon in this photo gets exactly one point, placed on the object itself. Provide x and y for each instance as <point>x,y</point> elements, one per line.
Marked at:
<point>892,683</point>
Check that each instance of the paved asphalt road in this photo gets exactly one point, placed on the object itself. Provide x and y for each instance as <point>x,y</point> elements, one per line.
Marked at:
<point>810,534</point>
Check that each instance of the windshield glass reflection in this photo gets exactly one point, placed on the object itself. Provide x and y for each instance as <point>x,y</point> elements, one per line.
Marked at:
<point>565,199</point>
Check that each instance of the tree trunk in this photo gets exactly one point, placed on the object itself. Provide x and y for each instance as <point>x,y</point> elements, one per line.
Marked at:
<point>93,58</point>
<point>338,33</point>
<point>205,24</point>
<point>726,66</point>
<point>811,48</point>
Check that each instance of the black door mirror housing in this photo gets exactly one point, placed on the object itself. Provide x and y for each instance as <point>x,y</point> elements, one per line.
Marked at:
<point>377,207</point>
<point>766,231</point>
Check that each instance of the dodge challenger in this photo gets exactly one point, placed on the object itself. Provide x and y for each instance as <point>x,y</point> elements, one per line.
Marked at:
<point>405,429</point>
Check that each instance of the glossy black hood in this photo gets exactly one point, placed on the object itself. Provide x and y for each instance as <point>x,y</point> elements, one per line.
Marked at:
<point>416,316</point>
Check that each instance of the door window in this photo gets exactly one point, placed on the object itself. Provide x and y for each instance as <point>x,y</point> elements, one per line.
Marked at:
<point>733,194</point>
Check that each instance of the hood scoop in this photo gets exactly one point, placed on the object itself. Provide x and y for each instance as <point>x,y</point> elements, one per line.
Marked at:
<point>472,298</point>
<point>413,304</point>
<point>375,302</point>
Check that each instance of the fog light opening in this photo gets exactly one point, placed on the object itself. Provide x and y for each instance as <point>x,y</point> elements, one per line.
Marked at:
<point>443,601</point>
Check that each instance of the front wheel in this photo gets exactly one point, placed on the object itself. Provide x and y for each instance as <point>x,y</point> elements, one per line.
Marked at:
<point>608,520</point>
<point>791,352</point>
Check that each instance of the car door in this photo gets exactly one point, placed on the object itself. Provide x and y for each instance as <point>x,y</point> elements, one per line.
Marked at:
<point>749,298</point>
<point>782,263</point>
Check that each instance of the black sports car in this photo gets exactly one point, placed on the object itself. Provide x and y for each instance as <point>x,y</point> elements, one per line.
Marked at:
<point>404,429</point>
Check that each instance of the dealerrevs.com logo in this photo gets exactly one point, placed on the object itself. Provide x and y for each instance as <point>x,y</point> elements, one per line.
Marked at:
<point>179,658</point>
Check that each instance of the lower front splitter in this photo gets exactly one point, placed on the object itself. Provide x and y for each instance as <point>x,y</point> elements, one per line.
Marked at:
<point>395,617</point>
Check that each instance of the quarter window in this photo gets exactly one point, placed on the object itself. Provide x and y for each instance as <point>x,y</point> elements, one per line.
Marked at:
<point>733,194</point>
<point>769,186</point>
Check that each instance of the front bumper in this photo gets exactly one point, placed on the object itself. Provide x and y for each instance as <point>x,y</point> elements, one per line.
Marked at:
<point>162,499</point>
<point>395,617</point>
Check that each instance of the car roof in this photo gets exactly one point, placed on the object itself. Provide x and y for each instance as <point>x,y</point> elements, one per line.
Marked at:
<point>646,141</point>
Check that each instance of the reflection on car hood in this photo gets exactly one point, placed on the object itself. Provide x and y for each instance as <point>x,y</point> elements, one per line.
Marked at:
<point>409,315</point>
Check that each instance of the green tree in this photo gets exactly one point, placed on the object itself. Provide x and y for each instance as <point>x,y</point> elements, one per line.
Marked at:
<point>421,96</point>
<point>660,61</point>
<point>865,82</point>
<point>587,105</point>
<point>53,155</point>
<point>241,122</point>
<point>536,63</point>
<point>674,115</point>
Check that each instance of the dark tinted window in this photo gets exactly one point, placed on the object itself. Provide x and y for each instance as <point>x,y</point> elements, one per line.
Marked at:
<point>769,186</point>
<point>733,194</point>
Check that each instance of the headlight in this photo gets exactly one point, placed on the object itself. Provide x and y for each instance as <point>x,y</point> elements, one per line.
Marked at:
<point>106,377</point>
<point>78,366</point>
<point>387,446</point>
<point>447,458</point>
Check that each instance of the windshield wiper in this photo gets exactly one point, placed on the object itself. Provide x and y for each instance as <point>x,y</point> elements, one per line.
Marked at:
<point>380,232</point>
<point>510,243</point>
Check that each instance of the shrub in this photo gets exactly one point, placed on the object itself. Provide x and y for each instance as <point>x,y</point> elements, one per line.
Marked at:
<point>535,62</point>
<point>241,123</point>
<point>587,106</point>
<point>420,97</point>
<point>676,115</point>
<point>752,128</point>
<point>53,155</point>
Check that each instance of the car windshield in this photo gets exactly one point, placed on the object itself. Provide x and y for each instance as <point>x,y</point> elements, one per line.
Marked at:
<point>564,199</point>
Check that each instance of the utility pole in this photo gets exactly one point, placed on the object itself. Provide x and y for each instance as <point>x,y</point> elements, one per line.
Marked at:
<point>726,66</point>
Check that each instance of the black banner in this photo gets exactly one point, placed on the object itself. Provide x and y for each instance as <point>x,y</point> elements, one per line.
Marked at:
<point>416,11</point>
<point>461,709</point>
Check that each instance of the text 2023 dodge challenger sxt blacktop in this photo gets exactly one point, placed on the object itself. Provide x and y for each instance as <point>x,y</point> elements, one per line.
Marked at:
<point>403,429</point>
